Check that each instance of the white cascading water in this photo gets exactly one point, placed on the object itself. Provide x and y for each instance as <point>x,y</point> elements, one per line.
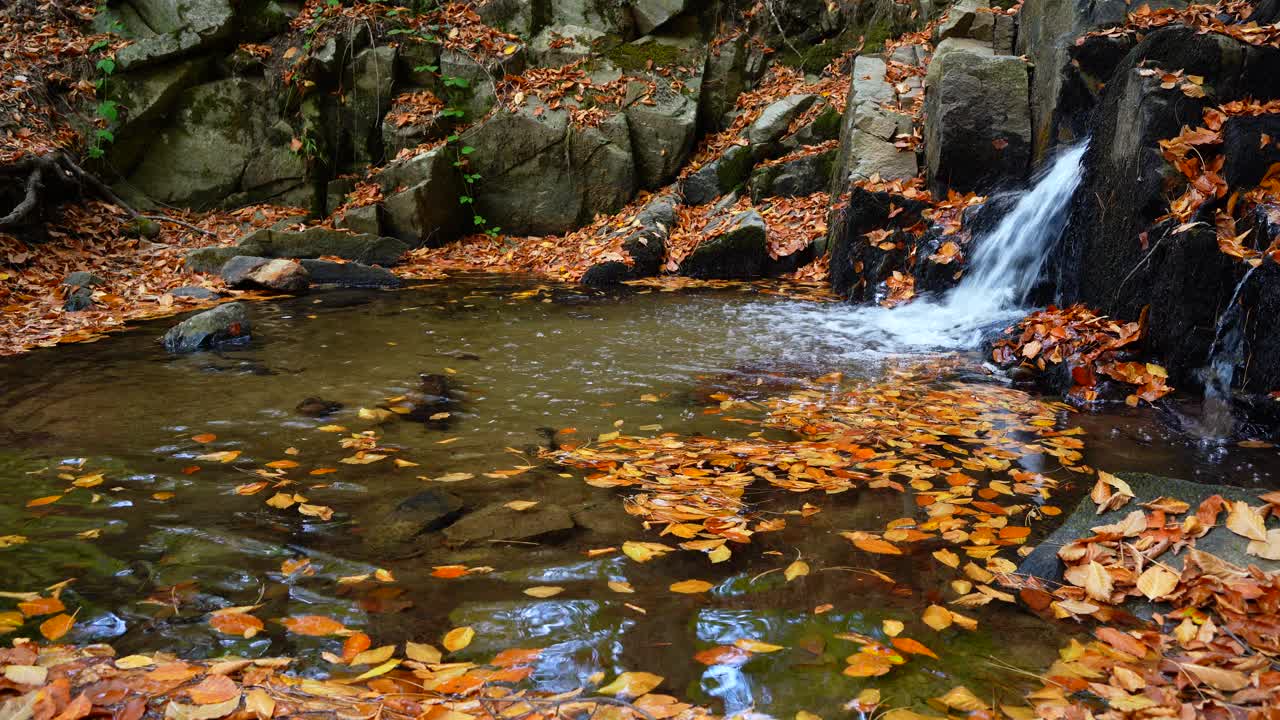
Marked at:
<point>1004,267</point>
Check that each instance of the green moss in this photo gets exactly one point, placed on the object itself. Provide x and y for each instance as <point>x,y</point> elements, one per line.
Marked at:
<point>632,57</point>
<point>875,37</point>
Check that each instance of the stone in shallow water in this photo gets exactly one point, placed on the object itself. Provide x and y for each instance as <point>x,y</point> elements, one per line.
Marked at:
<point>499,522</point>
<point>223,324</point>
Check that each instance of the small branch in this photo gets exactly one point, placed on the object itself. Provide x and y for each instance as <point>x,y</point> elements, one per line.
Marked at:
<point>179,223</point>
<point>29,201</point>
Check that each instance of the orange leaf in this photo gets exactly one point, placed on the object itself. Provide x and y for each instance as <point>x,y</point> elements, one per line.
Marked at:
<point>238,624</point>
<point>723,655</point>
<point>203,438</point>
<point>56,626</point>
<point>355,645</point>
<point>214,689</point>
<point>48,500</point>
<point>449,571</point>
<point>876,545</point>
<point>907,645</point>
<point>313,625</point>
<point>41,606</point>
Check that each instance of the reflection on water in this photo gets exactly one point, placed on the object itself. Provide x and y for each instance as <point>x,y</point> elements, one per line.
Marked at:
<point>166,538</point>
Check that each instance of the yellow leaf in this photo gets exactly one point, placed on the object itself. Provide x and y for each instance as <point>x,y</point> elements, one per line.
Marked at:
<point>644,551</point>
<point>1156,582</point>
<point>453,477</point>
<point>48,500</point>
<point>948,558</point>
<point>1229,680</point>
<point>130,662</point>
<point>521,505</point>
<point>258,702</point>
<point>374,656</point>
<point>1097,582</point>
<point>422,652</point>
<point>937,617</point>
<point>892,627</point>
<point>719,554</point>
<point>796,569</point>
<point>756,646</point>
<point>632,684</point>
<point>458,638</point>
<point>222,456</point>
<point>382,669</point>
<point>621,587</point>
<point>691,587</point>
<point>1244,520</point>
<point>543,591</point>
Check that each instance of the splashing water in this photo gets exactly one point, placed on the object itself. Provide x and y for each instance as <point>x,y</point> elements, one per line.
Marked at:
<point>1003,270</point>
<point>1227,351</point>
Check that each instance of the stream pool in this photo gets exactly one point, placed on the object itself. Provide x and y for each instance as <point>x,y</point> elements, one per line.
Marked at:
<point>163,538</point>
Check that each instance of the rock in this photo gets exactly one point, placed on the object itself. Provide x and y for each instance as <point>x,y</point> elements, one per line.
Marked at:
<point>1247,156</point>
<point>194,291</point>
<point>425,512</point>
<point>513,16</point>
<point>559,45</point>
<point>83,278</point>
<point>479,96</point>
<point>1047,33</point>
<point>278,275</point>
<point>824,127</point>
<point>426,212</point>
<point>276,172</point>
<point>315,242</point>
<point>857,267</point>
<point>209,259</point>
<point>414,58</point>
<point>607,16</point>
<point>146,96</point>
<point>804,175</point>
<point>171,29</point>
<point>606,274</point>
<point>662,136</point>
<point>718,177</point>
<point>77,299</point>
<point>200,159</point>
<point>541,178</point>
<point>1043,562</point>
<point>368,97</point>
<point>724,78</point>
<point>499,522</point>
<point>977,117</point>
<point>317,407</point>
<point>366,220</point>
<point>224,324</point>
<point>350,274</point>
<point>649,14</point>
<point>867,132</point>
<point>776,118</point>
<point>1004,35</point>
<point>965,20</point>
<point>737,250</point>
<point>644,241</point>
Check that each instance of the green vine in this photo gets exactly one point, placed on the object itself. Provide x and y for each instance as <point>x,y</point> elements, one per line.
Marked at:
<point>107,110</point>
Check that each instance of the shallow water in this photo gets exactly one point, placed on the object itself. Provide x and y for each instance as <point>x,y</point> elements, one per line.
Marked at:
<point>523,356</point>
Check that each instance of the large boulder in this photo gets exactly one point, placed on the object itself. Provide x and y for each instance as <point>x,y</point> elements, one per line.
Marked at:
<point>966,19</point>
<point>867,130</point>
<point>426,512</point>
<point>167,29</point>
<point>726,75</point>
<point>368,82</point>
<point>559,45</point>
<point>858,265</point>
<point>223,324</point>
<point>977,117</point>
<point>650,14</point>
<point>662,135</point>
<point>803,175</point>
<point>1047,32</point>
<point>315,242</point>
<point>736,248</point>
<point>644,241</point>
<point>422,199</point>
<point>200,159</point>
<point>541,176</point>
<point>608,16</point>
<point>143,99</point>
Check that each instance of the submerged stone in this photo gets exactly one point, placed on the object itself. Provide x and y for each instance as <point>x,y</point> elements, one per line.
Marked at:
<point>499,522</point>
<point>223,324</point>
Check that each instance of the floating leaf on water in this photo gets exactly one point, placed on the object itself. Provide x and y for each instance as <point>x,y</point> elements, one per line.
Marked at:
<point>799,568</point>
<point>57,626</point>
<point>458,638</point>
<point>240,624</point>
<point>282,464</point>
<point>259,703</point>
<point>41,606</point>
<point>914,647</point>
<point>453,477</point>
<point>47,500</point>
<point>632,684</point>
<point>756,646</point>
<point>892,628</point>
<point>723,655</point>
<point>691,587</point>
<point>214,689</point>
<point>222,456</point>
<point>621,587</point>
<point>543,591</point>
<point>644,551</point>
<point>376,656</point>
<point>313,625</point>
<point>422,652</point>
<point>355,644</point>
<point>521,505</point>
<point>937,617</point>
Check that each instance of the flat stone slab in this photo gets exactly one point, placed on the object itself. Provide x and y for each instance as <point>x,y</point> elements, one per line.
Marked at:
<point>499,522</point>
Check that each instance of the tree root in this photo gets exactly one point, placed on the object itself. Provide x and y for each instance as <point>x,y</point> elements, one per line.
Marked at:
<point>45,172</point>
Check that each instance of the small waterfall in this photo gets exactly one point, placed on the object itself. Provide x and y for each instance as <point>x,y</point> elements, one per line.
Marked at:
<point>1004,267</point>
<point>1226,352</point>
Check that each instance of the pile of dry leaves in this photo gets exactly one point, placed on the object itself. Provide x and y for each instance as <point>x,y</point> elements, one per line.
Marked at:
<point>1089,344</point>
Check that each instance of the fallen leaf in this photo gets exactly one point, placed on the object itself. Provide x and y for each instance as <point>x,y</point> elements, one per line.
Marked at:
<point>458,638</point>
<point>543,591</point>
<point>632,684</point>
<point>691,587</point>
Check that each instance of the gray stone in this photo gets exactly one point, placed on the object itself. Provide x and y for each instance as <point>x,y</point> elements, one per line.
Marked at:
<point>170,29</point>
<point>479,95</point>
<point>906,54</point>
<point>1004,35</point>
<point>366,220</point>
<point>543,177</point>
<point>83,278</point>
<point>866,130</point>
<point>276,274</point>
<point>513,16</point>
<point>723,80</point>
<point>977,117</point>
<point>649,14</point>
<point>200,159</point>
<point>277,173</point>
<point>223,324</point>
<point>78,298</point>
<point>1043,562</point>
<point>209,259</point>
<point>609,16</point>
<point>368,98</point>
<point>966,20</point>
<point>428,511</point>
<point>737,250</point>
<point>194,291</point>
<point>644,241</point>
<point>144,98</point>
<point>717,177</point>
<point>421,205</point>
<point>414,58</point>
<point>351,274</point>
<point>316,242</point>
<point>804,175</point>
<point>662,136</point>
<point>572,43</point>
<point>777,117</point>
<point>499,522</point>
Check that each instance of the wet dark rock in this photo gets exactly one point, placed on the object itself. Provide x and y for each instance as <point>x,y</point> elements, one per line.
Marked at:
<point>606,274</point>
<point>317,407</point>
<point>717,177</point>
<point>351,274</point>
<point>735,249</point>
<point>1247,157</point>
<point>209,259</point>
<point>366,220</point>
<point>83,278</point>
<point>434,395</point>
<point>78,290</point>
<point>804,175</point>
<point>194,291</point>
<point>931,276</point>
<point>315,242</point>
<point>224,324</point>
<point>857,266</point>
<point>426,512</point>
<point>645,241</point>
<point>277,275</point>
<point>499,522</point>
<point>1043,562</point>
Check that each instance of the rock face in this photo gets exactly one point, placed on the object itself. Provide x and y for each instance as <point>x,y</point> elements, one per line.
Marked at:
<point>170,29</point>
<point>718,177</point>
<point>223,324</point>
<point>965,20</point>
<point>1183,279</point>
<point>736,249</point>
<point>316,242</point>
<point>662,136</point>
<point>802,176</point>
<point>421,206</point>
<point>977,117</point>
<point>859,266</point>
<point>543,177</point>
<point>650,14</point>
<point>867,130</point>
